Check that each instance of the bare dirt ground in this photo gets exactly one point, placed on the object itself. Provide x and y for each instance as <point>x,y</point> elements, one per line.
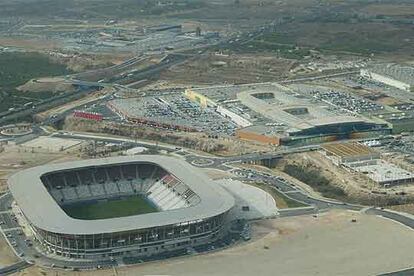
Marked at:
<point>218,68</point>
<point>55,85</point>
<point>216,174</point>
<point>7,256</point>
<point>29,44</point>
<point>53,144</point>
<point>70,105</point>
<point>352,184</point>
<point>357,186</point>
<point>195,140</point>
<point>328,245</point>
<point>388,101</point>
<point>406,208</point>
<point>15,158</point>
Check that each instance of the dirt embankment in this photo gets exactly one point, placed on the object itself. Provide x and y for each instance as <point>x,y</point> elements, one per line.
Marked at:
<point>316,171</point>
<point>219,68</point>
<point>55,85</point>
<point>196,141</point>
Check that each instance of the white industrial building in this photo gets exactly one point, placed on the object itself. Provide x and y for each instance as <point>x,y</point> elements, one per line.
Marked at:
<point>358,158</point>
<point>401,77</point>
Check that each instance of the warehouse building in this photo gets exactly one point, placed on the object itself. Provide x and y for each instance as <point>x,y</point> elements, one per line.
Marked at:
<point>361,159</point>
<point>385,174</point>
<point>341,153</point>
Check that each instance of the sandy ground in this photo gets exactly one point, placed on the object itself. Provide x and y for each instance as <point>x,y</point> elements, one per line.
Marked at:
<point>47,84</point>
<point>16,158</point>
<point>355,185</point>
<point>236,68</point>
<point>328,245</point>
<point>406,208</point>
<point>73,104</point>
<point>7,256</point>
<point>52,144</point>
<point>32,44</point>
<point>216,174</point>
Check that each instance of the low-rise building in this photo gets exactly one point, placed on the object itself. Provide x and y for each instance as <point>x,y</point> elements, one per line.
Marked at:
<point>361,159</point>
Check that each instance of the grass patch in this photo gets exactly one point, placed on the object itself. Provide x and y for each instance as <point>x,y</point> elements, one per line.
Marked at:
<point>282,45</point>
<point>18,68</point>
<point>313,178</point>
<point>124,207</point>
<point>282,201</point>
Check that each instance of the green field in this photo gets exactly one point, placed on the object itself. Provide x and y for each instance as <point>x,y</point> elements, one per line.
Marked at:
<point>18,68</point>
<point>134,205</point>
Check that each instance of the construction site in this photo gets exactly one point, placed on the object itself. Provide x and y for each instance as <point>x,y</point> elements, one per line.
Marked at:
<point>358,158</point>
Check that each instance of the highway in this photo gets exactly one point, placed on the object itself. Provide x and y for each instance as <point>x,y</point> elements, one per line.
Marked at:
<point>89,87</point>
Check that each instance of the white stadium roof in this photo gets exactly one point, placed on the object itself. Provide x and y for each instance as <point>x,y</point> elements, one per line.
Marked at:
<point>44,212</point>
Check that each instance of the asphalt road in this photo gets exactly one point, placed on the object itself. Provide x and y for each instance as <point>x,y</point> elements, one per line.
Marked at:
<point>406,272</point>
<point>14,268</point>
<point>315,205</point>
<point>392,215</point>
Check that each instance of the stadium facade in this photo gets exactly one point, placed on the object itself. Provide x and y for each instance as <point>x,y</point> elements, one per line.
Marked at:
<point>192,211</point>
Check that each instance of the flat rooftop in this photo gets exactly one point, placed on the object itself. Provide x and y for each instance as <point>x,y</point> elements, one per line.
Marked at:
<point>272,102</point>
<point>349,149</point>
<point>384,172</point>
<point>294,110</point>
<point>43,211</point>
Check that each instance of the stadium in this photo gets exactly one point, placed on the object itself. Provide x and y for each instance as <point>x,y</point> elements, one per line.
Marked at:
<point>142,205</point>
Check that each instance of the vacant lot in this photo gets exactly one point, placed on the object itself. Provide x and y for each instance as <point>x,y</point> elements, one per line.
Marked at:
<point>328,245</point>
<point>7,256</point>
<point>221,68</point>
<point>51,144</point>
<point>314,178</point>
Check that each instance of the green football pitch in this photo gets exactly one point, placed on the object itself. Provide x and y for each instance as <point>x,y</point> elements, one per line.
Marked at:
<point>124,207</point>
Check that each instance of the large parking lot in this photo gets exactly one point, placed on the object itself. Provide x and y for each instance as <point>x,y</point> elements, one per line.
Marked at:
<point>175,110</point>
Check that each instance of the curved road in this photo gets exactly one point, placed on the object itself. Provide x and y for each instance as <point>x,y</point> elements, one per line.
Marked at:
<point>283,186</point>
